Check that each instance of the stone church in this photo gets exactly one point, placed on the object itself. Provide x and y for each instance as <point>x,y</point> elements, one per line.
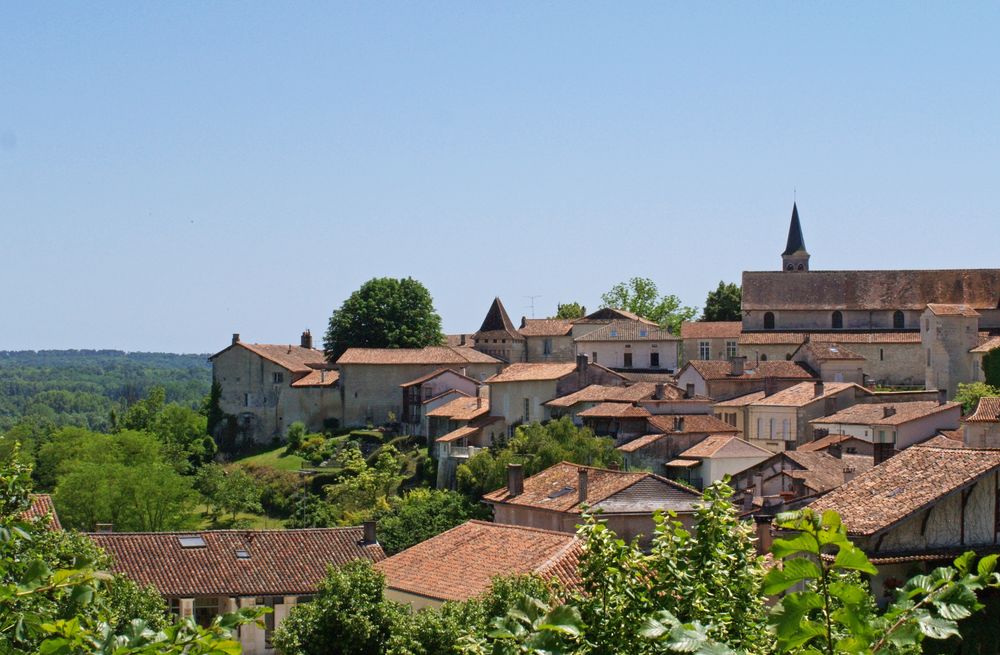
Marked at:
<point>913,327</point>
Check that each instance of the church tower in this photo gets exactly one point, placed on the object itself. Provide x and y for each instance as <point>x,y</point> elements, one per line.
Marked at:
<point>795,257</point>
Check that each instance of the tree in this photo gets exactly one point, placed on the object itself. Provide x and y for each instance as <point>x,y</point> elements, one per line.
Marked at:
<point>384,313</point>
<point>569,310</point>
<point>229,491</point>
<point>991,367</point>
<point>422,514</point>
<point>640,296</point>
<point>969,394</point>
<point>723,304</point>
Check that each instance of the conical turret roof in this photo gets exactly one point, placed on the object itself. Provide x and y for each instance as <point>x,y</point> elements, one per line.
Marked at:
<point>796,243</point>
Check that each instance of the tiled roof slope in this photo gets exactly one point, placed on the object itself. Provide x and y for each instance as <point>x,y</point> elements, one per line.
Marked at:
<point>533,372</point>
<point>821,444</point>
<point>461,563</point>
<point>724,445</point>
<point>648,495</point>
<point>870,290</point>
<point>804,393</point>
<point>771,338</point>
<point>874,414</point>
<point>711,329</point>
<point>720,369</point>
<point>597,393</point>
<point>435,373</point>
<point>42,506</point>
<point>987,411</point>
<point>821,471</point>
<point>497,322</point>
<point>741,401</point>
<point>431,355</point>
<point>279,562</point>
<point>614,410</point>
<point>545,327</point>
<point>905,484</point>
<point>462,409</point>
<point>318,378</point>
<point>628,331</point>
<point>693,423</point>
<point>988,344</point>
<point>828,351</point>
<point>612,314</point>
<point>939,309</point>
<point>293,358</point>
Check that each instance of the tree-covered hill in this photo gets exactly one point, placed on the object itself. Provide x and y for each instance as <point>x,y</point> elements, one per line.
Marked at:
<point>82,387</point>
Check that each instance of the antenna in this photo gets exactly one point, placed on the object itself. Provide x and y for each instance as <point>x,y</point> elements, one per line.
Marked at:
<point>794,199</point>
<point>532,305</point>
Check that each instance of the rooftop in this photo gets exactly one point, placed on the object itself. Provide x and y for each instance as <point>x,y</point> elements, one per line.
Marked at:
<point>596,393</point>
<point>235,562</point>
<point>886,413</point>
<point>952,310</point>
<point>462,409</point>
<point>904,484</point>
<point>461,563</point>
<point>631,330</point>
<point>827,351</point>
<point>545,327</point>
<point>615,410</point>
<point>42,506</point>
<point>533,372</point>
<point>429,356</point>
<point>804,393</point>
<point>987,411</point>
<point>721,446</point>
<point>318,378</point>
<point>293,358</point>
<point>721,369</point>
<point>693,423</point>
<point>711,329</point>
<point>771,338</point>
<point>820,471</point>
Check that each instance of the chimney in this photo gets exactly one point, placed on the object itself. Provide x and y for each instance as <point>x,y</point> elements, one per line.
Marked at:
<point>581,484</point>
<point>581,363</point>
<point>835,450</point>
<point>322,375</point>
<point>849,473</point>
<point>764,539</point>
<point>515,479</point>
<point>758,485</point>
<point>888,411</point>
<point>818,389</point>
<point>748,500</point>
<point>660,391</point>
<point>104,528</point>
<point>770,386</point>
<point>678,424</point>
<point>461,339</point>
<point>479,402</point>
<point>689,390</point>
<point>882,452</point>
<point>737,365</point>
<point>370,538</point>
<point>942,396</point>
<point>236,337</point>
<point>307,340</point>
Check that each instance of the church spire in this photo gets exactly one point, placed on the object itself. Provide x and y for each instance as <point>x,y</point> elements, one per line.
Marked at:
<point>795,257</point>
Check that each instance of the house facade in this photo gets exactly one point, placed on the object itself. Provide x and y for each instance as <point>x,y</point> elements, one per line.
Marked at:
<point>630,344</point>
<point>710,340</point>
<point>780,421</point>
<point>722,380</point>
<point>898,424</point>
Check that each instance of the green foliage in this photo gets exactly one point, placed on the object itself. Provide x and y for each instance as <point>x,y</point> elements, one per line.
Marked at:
<point>969,394</point>
<point>569,310</point>
<point>296,433</point>
<point>365,489</point>
<point>229,490</point>
<point>421,514</point>
<point>182,431</point>
<point>991,367</point>
<point>537,447</point>
<point>640,296</point>
<point>384,313</point>
<point>723,304</point>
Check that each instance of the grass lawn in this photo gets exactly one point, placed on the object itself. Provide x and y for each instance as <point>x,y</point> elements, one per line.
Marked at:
<point>256,521</point>
<point>276,459</point>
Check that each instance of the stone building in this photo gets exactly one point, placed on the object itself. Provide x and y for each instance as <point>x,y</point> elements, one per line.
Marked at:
<point>426,392</point>
<point>205,574</point>
<point>787,478</point>
<point>548,339</point>
<point>897,424</point>
<point>713,458</point>
<point>948,334</point>
<point>780,421</point>
<point>267,387</point>
<point>667,436</point>
<point>554,499</point>
<point>630,344</point>
<point>710,340</point>
<point>497,336</point>
<point>982,427</point>
<point>831,362</point>
<point>722,380</point>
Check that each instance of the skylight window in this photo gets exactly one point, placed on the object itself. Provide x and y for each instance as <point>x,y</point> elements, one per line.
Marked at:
<point>833,349</point>
<point>561,492</point>
<point>194,541</point>
<point>242,553</point>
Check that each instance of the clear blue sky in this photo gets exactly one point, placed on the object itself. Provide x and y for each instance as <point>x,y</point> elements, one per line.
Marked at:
<point>173,172</point>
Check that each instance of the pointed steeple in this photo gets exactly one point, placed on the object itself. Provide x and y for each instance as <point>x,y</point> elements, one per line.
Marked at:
<point>795,257</point>
<point>497,320</point>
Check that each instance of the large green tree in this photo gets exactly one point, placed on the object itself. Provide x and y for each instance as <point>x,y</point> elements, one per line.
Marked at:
<point>640,296</point>
<point>384,313</point>
<point>969,394</point>
<point>569,310</point>
<point>723,304</point>
<point>991,367</point>
<point>422,514</point>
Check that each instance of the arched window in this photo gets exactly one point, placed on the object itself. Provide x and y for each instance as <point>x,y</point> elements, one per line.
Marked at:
<point>768,321</point>
<point>802,267</point>
<point>790,267</point>
<point>898,320</point>
<point>763,358</point>
<point>837,320</point>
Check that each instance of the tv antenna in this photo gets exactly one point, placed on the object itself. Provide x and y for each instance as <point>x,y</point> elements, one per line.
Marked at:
<point>532,304</point>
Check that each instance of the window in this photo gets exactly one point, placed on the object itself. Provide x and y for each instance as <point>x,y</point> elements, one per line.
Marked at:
<point>593,358</point>
<point>192,541</point>
<point>898,320</point>
<point>730,349</point>
<point>770,429</point>
<point>527,409</point>
<point>928,356</point>
<point>784,429</point>
<point>643,332</point>
<point>758,435</point>
<point>654,360</point>
<point>246,400</point>
<point>768,320</point>
<point>837,320</point>
<point>881,354</point>
<point>704,350</point>
<point>278,377</point>
<point>547,347</point>
<point>205,610</point>
<point>763,358</point>
<point>614,332</point>
<point>628,360</point>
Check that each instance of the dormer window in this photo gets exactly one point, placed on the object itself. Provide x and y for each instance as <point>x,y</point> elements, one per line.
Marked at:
<point>837,320</point>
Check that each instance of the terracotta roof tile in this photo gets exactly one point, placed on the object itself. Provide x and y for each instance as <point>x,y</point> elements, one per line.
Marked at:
<point>821,444</point>
<point>628,331</point>
<point>611,314</point>
<point>711,329</point>
<point>803,393</point>
<point>741,401</point>
<point>42,506</point>
<point>988,344</point>
<point>462,409</point>
<point>546,327</point>
<point>278,561</point>
<point>531,372</point>
<point>645,376</point>
<point>318,378</point>
<point>461,563</point>
<point>293,358</point>
<point>770,338</point>
<point>431,355</point>
<point>821,471</point>
<point>596,393</point>
<point>720,369</point>
<point>827,351</point>
<point>722,446</point>
<point>615,410</point>
<point>876,413</point>
<point>952,310</point>
<point>943,440</point>
<point>905,484</point>
<point>693,424</point>
<point>433,374</point>
<point>987,411</point>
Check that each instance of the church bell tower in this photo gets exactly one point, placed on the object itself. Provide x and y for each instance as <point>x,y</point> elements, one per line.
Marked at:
<point>795,257</point>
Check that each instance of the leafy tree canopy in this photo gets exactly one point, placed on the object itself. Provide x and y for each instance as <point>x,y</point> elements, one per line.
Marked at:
<point>422,514</point>
<point>384,313</point>
<point>569,310</point>
<point>991,367</point>
<point>969,394</point>
<point>640,296</point>
<point>723,304</point>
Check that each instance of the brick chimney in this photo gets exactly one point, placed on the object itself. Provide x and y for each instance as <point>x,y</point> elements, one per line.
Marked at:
<point>888,411</point>
<point>770,386</point>
<point>850,473</point>
<point>370,538</point>
<point>737,365</point>
<point>942,396</point>
<point>236,338</point>
<point>307,340</point>
<point>660,391</point>
<point>678,424</point>
<point>581,368</point>
<point>818,388</point>
<point>515,479</point>
<point>104,528</point>
<point>581,484</point>
<point>764,538</point>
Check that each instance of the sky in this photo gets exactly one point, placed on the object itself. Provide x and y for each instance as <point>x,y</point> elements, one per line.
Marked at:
<point>175,172</point>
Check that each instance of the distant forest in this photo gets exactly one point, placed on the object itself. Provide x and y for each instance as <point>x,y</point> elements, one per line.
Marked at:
<point>82,387</point>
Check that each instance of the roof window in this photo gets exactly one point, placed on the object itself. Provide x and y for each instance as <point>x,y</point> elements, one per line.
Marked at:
<point>242,553</point>
<point>193,541</point>
<point>561,492</point>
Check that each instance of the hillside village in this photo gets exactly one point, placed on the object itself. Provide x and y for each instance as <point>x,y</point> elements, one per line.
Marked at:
<point>836,390</point>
